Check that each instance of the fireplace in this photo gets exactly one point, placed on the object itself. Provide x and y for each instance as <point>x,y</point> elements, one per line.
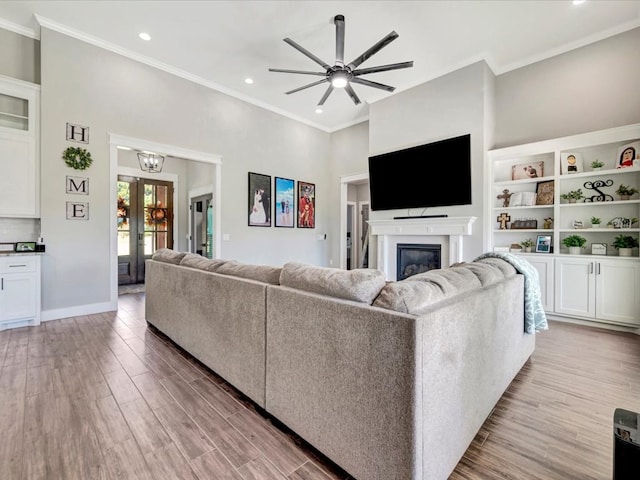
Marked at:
<point>414,258</point>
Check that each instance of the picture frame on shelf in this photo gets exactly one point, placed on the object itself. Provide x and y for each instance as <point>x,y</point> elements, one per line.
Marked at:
<point>284,202</point>
<point>570,162</point>
<point>598,249</point>
<point>523,171</point>
<point>543,244</point>
<point>628,155</point>
<point>25,246</point>
<point>259,200</point>
<point>306,205</point>
<point>545,192</point>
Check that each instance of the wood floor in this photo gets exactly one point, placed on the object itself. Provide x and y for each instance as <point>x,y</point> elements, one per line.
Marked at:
<point>103,396</point>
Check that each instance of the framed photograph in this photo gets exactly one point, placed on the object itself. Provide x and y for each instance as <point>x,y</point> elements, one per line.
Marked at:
<point>26,247</point>
<point>259,200</point>
<point>306,205</point>
<point>284,202</point>
<point>628,155</point>
<point>544,193</point>
<point>543,244</point>
<point>570,163</point>
<point>527,170</point>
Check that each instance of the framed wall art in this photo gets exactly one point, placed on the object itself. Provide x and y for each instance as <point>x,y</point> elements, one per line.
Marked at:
<point>306,205</point>
<point>259,199</point>
<point>284,202</point>
<point>527,170</point>
<point>570,163</point>
<point>544,193</point>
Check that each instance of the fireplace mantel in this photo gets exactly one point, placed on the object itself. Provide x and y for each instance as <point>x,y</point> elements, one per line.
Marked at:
<point>447,231</point>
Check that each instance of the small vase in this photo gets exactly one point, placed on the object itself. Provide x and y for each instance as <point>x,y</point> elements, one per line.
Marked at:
<point>575,250</point>
<point>527,249</point>
<point>595,225</point>
<point>625,252</point>
<point>624,197</point>
<point>597,169</point>
<point>572,200</point>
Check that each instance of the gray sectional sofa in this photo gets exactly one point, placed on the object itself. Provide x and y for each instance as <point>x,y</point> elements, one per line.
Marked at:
<point>390,380</point>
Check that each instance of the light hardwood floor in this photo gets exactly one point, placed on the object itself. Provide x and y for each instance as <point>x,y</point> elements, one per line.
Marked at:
<point>104,396</point>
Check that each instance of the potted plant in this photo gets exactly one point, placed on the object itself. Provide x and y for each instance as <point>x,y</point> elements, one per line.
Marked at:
<point>597,165</point>
<point>572,196</point>
<point>595,222</point>
<point>575,243</point>
<point>527,244</point>
<point>625,191</point>
<point>624,244</point>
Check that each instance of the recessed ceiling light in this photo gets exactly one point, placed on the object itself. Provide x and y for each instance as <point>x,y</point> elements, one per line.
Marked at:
<point>248,80</point>
<point>120,147</point>
<point>578,2</point>
<point>318,110</point>
<point>145,36</point>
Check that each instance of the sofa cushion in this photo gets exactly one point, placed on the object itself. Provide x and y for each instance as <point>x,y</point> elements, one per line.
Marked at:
<point>167,255</point>
<point>202,263</point>
<point>417,293</point>
<point>505,267</point>
<point>361,285</point>
<point>261,273</point>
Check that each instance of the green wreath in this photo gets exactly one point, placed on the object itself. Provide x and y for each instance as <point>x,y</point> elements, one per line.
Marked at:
<point>77,158</point>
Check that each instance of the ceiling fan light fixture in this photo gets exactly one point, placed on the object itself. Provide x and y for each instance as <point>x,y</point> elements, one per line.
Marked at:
<point>339,80</point>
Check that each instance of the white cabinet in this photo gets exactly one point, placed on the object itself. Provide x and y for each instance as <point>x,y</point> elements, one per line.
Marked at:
<point>603,289</point>
<point>535,177</point>
<point>19,157</point>
<point>19,290</point>
<point>544,265</point>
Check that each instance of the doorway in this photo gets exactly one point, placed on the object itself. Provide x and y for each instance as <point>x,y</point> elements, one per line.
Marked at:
<point>201,209</point>
<point>354,216</point>
<point>144,224</point>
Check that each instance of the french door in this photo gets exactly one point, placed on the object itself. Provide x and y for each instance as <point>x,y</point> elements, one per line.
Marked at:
<point>145,224</point>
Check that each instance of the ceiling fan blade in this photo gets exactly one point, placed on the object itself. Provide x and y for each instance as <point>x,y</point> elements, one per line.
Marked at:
<point>307,53</point>
<point>352,93</point>
<point>326,95</point>
<point>373,50</point>
<point>307,86</point>
<point>339,21</point>
<point>382,68</point>
<point>369,83</point>
<point>301,72</point>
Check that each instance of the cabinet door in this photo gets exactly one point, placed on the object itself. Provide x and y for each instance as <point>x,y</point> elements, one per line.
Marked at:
<point>544,266</point>
<point>17,296</point>
<point>18,181</point>
<point>575,287</point>
<point>617,291</point>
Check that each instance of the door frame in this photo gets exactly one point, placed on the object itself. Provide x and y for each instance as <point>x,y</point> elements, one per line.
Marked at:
<point>116,141</point>
<point>345,181</point>
<point>194,193</point>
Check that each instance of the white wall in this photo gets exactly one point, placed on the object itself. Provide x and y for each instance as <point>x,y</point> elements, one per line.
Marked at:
<point>590,88</point>
<point>86,85</point>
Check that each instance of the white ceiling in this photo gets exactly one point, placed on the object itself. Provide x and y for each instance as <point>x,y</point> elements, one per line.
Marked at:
<point>220,43</point>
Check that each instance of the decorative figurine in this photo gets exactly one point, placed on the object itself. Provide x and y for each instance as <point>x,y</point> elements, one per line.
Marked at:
<point>503,218</point>
<point>548,223</point>
<point>505,197</point>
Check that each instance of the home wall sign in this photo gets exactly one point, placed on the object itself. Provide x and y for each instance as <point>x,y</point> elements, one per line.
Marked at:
<point>77,185</point>
<point>77,133</point>
<point>77,211</point>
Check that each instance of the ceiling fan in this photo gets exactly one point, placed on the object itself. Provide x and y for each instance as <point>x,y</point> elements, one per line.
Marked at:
<point>341,75</point>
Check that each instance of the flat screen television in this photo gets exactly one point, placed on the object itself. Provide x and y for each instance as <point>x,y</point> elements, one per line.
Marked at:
<point>436,174</point>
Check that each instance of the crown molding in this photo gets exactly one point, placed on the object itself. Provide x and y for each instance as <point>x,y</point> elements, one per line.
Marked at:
<point>20,29</point>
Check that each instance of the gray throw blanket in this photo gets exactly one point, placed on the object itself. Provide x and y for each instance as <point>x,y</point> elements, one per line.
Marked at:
<point>535,319</point>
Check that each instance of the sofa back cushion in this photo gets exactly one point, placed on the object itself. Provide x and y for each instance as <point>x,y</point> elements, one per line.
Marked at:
<point>260,273</point>
<point>193,260</point>
<point>167,255</point>
<point>360,285</point>
<point>416,294</point>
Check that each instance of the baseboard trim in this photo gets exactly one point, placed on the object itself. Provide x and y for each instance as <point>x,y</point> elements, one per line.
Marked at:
<point>594,324</point>
<point>57,314</point>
